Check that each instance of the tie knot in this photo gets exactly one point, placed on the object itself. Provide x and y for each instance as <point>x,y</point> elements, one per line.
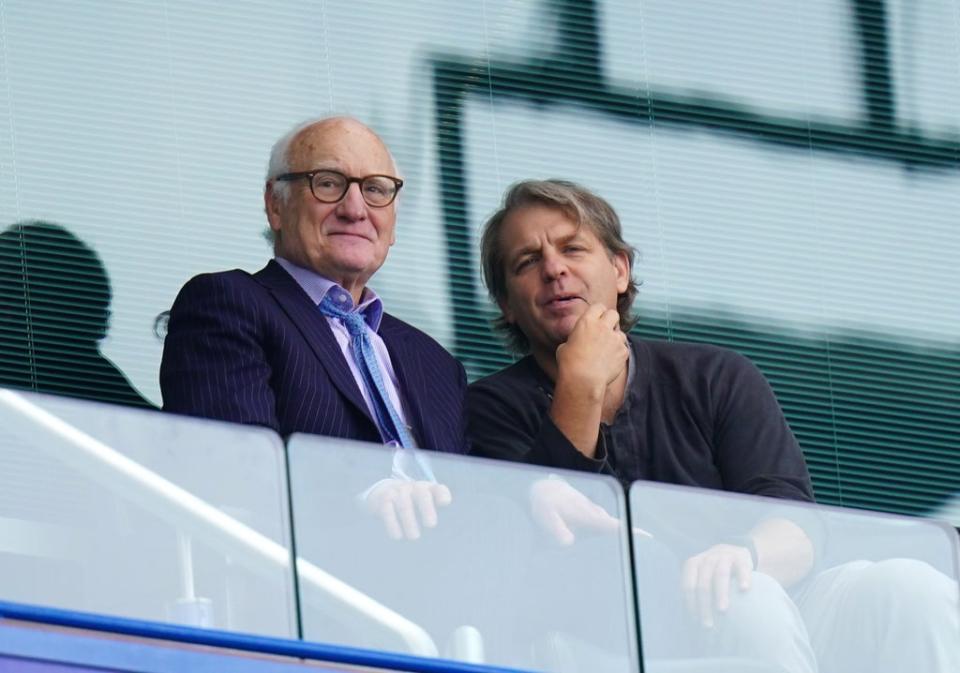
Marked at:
<point>352,320</point>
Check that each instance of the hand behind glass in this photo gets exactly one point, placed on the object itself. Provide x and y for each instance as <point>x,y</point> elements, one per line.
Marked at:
<point>708,576</point>
<point>560,509</point>
<point>405,506</point>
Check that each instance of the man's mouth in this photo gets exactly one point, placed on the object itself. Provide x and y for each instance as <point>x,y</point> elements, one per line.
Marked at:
<point>353,234</point>
<point>562,301</point>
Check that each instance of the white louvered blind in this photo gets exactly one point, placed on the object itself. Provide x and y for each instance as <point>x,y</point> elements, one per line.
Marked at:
<point>789,170</point>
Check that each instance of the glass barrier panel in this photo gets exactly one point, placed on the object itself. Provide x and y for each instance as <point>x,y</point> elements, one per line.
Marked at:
<point>728,582</point>
<point>141,514</point>
<point>469,559</point>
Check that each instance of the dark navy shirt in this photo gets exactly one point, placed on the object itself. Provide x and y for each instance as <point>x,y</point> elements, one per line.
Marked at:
<point>693,414</point>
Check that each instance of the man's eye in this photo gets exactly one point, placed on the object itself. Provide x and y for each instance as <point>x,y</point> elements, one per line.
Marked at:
<point>379,190</point>
<point>327,182</point>
<point>523,264</point>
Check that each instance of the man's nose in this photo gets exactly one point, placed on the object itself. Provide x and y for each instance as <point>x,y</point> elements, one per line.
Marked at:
<point>553,266</point>
<point>352,206</point>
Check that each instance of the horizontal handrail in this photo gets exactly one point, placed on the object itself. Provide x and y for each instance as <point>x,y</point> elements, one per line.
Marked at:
<point>237,641</point>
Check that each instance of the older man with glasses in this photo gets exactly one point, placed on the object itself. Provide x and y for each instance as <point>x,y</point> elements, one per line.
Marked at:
<point>304,345</point>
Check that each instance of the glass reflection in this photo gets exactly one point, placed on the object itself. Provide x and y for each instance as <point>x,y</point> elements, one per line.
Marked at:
<point>821,589</point>
<point>506,565</point>
<point>139,514</point>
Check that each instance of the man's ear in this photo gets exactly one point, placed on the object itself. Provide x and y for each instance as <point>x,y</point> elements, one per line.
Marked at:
<point>621,263</point>
<point>272,206</point>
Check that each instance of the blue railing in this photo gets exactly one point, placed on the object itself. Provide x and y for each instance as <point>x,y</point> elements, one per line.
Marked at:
<point>261,645</point>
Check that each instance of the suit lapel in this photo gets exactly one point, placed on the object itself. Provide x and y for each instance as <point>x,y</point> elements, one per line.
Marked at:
<point>314,328</point>
<point>406,365</point>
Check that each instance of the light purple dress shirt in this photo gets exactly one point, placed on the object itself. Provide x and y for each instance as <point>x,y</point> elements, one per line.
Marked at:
<point>317,287</point>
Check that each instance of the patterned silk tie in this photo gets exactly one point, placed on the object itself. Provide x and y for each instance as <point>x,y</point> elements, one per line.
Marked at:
<point>388,420</point>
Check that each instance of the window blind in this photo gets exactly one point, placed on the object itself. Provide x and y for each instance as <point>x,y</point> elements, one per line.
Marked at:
<point>788,170</point>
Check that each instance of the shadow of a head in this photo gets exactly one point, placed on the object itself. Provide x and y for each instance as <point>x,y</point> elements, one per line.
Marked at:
<point>54,309</point>
<point>53,287</point>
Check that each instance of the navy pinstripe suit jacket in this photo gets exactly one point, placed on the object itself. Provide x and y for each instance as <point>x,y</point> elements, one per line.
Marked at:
<point>255,349</point>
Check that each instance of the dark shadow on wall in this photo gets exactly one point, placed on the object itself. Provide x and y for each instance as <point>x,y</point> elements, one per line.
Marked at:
<point>54,310</point>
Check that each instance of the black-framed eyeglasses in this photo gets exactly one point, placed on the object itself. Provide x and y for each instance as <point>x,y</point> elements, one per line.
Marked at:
<point>329,186</point>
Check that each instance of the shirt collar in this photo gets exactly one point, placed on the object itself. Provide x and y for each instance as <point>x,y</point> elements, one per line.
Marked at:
<point>317,287</point>
<point>628,398</point>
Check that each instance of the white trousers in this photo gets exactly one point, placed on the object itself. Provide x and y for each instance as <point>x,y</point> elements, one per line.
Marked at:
<point>894,616</point>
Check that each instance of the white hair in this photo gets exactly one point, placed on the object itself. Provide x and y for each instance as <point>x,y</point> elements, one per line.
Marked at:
<point>279,162</point>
